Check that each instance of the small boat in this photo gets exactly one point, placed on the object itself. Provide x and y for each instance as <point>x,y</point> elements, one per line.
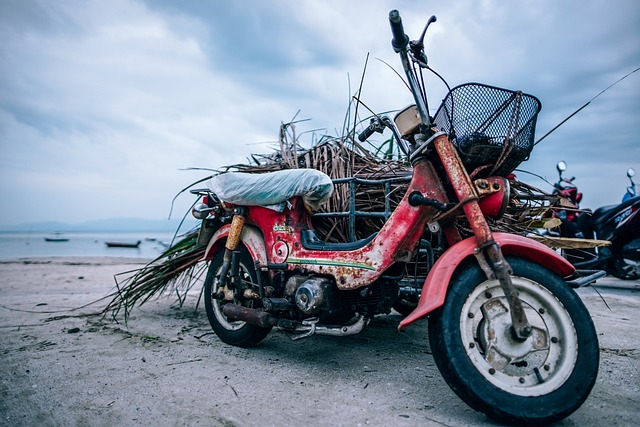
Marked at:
<point>123,244</point>
<point>57,237</point>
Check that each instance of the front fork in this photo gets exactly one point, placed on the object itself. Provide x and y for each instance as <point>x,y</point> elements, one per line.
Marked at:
<point>488,252</point>
<point>230,260</point>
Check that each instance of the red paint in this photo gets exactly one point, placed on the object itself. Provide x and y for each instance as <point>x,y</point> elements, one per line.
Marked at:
<point>435,287</point>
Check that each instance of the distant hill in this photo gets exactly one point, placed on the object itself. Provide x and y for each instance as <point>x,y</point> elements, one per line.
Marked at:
<point>113,224</point>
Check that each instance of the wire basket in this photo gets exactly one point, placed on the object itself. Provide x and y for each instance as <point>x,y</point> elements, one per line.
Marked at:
<point>492,128</point>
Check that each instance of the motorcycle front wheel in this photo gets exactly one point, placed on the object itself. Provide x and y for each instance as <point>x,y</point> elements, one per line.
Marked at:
<point>537,381</point>
<point>234,332</point>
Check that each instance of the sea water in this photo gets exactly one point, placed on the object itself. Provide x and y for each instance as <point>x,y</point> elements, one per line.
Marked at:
<point>14,245</point>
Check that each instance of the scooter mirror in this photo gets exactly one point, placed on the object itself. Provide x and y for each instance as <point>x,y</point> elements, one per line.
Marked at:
<point>561,166</point>
<point>631,172</point>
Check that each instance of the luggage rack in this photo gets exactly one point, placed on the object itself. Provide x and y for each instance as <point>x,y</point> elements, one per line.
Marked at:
<point>352,213</point>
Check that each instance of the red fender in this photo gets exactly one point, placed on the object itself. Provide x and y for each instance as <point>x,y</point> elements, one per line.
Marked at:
<point>436,285</point>
<point>251,237</point>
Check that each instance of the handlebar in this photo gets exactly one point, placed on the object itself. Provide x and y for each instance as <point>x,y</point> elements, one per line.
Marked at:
<point>399,42</point>
<point>366,133</point>
<point>377,124</point>
<point>400,39</point>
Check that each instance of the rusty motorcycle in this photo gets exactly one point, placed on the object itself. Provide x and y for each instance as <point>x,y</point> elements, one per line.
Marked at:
<point>507,331</point>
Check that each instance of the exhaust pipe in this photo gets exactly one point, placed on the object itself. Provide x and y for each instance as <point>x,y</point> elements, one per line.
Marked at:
<point>304,330</point>
<point>249,315</point>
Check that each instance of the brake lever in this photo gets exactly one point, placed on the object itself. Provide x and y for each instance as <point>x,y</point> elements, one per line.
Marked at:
<point>417,46</point>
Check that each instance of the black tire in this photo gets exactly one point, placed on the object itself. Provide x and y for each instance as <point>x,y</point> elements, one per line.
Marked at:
<point>539,381</point>
<point>620,268</point>
<point>237,333</point>
<point>405,305</point>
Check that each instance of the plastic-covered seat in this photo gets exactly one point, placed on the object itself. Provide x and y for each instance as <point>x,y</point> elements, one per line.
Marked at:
<point>273,189</point>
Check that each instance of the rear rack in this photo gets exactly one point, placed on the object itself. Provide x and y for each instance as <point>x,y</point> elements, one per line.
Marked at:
<point>353,213</point>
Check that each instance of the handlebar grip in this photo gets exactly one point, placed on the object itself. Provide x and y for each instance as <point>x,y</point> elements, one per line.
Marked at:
<point>365,134</point>
<point>400,40</point>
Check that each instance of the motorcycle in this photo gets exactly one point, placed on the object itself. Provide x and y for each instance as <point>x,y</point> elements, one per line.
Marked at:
<point>507,331</point>
<point>617,224</point>
<point>570,197</point>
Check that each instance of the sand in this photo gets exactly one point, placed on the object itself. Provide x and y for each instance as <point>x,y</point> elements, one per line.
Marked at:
<point>166,367</point>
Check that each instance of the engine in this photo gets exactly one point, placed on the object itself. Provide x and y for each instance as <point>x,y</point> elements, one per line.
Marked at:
<point>312,295</point>
<point>319,297</point>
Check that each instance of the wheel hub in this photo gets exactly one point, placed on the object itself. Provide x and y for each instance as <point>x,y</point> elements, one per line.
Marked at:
<point>497,339</point>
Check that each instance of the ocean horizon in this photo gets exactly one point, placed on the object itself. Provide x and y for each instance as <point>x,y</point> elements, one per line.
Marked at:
<point>16,244</point>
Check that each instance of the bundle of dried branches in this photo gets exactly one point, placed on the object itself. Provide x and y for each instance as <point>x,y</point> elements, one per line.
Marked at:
<point>177,270</point>
<point>528,205</point>
<point>338,157</point>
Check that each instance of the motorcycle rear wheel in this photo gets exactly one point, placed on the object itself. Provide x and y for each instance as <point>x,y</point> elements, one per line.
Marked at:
<point>233,332</point>
<point>626,269</point>
<point>538,381</point>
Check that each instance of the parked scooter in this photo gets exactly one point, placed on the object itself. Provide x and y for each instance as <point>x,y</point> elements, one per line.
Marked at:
<point>507,331</point>
<point>570,196</point>
<point>618,224</point>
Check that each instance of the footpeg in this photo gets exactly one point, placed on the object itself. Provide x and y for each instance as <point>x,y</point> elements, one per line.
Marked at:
<point>310,327</point>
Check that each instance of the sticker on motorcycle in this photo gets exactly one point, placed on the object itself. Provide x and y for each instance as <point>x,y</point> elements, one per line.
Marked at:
<point>277,228</point>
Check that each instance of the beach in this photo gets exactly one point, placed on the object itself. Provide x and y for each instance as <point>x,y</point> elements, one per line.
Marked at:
<point>64,365</point>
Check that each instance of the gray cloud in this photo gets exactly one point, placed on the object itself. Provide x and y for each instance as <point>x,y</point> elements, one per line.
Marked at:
<point>101,103</point>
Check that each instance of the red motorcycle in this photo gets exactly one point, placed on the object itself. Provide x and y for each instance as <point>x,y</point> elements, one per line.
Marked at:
<point>570,197</point>
<point>507,331</point>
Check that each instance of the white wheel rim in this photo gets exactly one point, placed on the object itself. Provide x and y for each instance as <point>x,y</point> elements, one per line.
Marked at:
<point>537,366</point>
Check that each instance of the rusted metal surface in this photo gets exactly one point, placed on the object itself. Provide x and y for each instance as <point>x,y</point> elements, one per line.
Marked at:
<point>395,241</point>
<point>251,238</point>
<point>490,185</point>
<point>466,193</point>
<point>502,270</point>
<point>249,315</point>
<point>354,268</point>
<point>494,195</point>
<point>464,189</point>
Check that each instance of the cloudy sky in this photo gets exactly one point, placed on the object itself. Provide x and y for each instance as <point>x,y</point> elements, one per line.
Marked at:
<point>104,103</point>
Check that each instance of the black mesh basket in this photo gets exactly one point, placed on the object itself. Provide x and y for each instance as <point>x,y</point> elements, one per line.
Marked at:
<point>492,128</point>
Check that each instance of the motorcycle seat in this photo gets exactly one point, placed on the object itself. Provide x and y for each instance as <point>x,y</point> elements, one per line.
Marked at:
<point>310,240</point>
<point>605,213</point>
<point>273,189</point>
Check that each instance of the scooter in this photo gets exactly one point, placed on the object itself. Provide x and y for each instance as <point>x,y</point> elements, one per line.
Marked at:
<point>507,331</point>
<point>570,197</point>
<point>619,224</point>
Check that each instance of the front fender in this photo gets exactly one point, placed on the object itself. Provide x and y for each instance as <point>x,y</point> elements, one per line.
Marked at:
<point>436,285</point>
<point>251,237</point>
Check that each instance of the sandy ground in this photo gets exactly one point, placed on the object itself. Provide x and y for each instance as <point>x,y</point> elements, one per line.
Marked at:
<point>166,368</point>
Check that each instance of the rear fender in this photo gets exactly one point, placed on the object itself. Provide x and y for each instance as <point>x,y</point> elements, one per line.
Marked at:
<point>251,237</point>
<point>436,285</point>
